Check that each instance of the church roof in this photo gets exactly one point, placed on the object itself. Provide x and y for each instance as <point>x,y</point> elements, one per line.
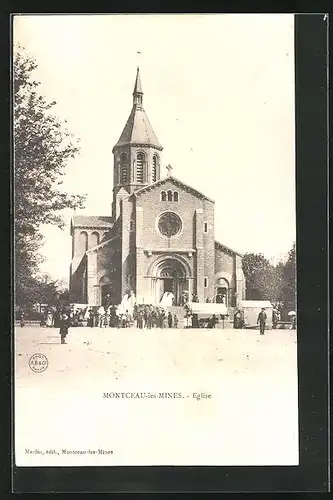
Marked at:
<point>177,183</point>
<point>224,247</point>
<point>92,221</point>
<point>138,129</point>
<point>103,244</point>
<point>137,86</point>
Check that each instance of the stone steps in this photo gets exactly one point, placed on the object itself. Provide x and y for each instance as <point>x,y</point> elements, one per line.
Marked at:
<point>179,311</point>
<point>175,310</point>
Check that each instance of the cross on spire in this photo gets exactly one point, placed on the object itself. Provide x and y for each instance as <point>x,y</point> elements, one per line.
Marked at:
<point>169,169</point>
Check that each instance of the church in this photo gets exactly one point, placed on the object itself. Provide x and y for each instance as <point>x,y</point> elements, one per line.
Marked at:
<point>159,237</point>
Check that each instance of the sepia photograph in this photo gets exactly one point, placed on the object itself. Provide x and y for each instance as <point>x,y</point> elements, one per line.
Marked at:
<point>154,240</point>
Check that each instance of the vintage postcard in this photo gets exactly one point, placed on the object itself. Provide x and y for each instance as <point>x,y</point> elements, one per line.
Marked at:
<point>154,200</point>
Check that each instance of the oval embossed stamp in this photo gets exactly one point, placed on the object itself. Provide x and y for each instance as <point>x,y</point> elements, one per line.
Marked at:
<point>38,362</point>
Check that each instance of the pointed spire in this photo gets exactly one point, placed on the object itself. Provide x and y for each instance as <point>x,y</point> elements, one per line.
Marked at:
<point>137,92</point>
<point>137,86</point>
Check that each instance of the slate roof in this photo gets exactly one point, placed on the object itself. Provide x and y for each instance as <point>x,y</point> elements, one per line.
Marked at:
<point>92,221</point>
<point>137,85</point>
<point>103,244</point>
<point>224,247</point>
<point>138,129</point>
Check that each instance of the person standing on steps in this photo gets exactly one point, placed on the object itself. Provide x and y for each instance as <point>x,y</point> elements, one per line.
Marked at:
<point>262,316</point>
<point>169,319</point>
<point>175,321</point>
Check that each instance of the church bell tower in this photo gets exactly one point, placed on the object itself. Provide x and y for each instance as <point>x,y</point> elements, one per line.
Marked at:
<point>136,155</point>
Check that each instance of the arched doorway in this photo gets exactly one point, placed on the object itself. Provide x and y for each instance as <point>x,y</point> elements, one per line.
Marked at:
<point>222,291</point>
<point>105,288</point>
<point>169,276</point>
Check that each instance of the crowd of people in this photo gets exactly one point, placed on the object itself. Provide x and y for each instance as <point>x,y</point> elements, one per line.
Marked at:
<point>127,314</point>
<point>281,314</point>
<point>142,316</point>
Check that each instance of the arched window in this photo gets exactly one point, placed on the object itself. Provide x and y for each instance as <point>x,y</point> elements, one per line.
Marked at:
<point>124,177</point>
<point>175,196</point>
<point>154,169</point>
<point>169,195</point>
<point>94,239</point>
<point>163,196</point>
<point>84,285</point>
<point>140,163</point>
<point>83,241</point>
<point>105,280</point>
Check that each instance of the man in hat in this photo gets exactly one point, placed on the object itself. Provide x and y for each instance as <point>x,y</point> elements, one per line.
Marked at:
<point>64,325</point>
<point>107,301</point>
<point>262,316</point>
<point>275,318</point>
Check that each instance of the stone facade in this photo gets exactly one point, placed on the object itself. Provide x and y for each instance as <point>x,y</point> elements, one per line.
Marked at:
<point>160,236</point>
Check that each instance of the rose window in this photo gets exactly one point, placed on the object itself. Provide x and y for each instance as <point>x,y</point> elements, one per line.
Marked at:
<point>169,224</point>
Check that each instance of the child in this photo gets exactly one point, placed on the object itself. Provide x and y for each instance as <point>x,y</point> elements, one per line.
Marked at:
<point>124,320</point>
<point>64,325</point>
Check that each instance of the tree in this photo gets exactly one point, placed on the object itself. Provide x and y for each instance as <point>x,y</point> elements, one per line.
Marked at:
<point>42,148</point>
<point>42,289</point>
<point>256,270</point>
<point>289,279</point>
<point>263,280</point>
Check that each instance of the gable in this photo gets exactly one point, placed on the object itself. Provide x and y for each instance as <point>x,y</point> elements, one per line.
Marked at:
<point>122,192</point>
<point>173,182</point>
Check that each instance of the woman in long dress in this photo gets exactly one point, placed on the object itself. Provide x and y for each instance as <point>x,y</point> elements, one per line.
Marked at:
<point>131,303</point>
<point>170,298</point>
<point>49,319</point>
<point>101,313</point>
<point>167,299</point>
<point>107,316</point>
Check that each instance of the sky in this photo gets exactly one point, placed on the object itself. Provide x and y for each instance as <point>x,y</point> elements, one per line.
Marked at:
<point>218,91</point>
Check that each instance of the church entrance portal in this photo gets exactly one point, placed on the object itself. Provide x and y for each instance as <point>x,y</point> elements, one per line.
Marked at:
<point>106,290</point>
<point>170,277</point>
<point>169,285</point>
<point>222,291</point>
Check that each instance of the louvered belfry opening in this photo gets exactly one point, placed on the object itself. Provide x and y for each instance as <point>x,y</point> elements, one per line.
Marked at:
<point>140,164</point>
<point>154,169</point>
<point>124,168</point>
